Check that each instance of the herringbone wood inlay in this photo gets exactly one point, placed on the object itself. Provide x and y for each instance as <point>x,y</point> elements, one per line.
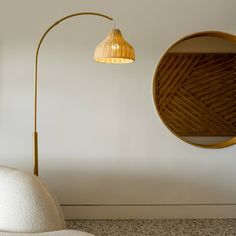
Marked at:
<point>196,93</point>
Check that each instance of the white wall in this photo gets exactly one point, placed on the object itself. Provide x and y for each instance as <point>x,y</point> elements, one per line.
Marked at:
<point>205,44</point>
<point>101,141</point>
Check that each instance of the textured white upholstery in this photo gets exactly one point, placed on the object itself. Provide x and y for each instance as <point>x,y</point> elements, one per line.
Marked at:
<point>26,205</point>
<point>55,233</point>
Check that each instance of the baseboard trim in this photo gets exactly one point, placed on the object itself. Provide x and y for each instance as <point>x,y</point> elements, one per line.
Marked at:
<point>150,211</point>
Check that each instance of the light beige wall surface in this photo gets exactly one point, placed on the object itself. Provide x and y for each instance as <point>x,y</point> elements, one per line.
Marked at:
<point>205,45</point>
<point>101,141</point>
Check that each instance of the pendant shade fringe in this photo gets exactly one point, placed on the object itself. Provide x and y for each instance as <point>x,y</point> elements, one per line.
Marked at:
<point>114,49</point>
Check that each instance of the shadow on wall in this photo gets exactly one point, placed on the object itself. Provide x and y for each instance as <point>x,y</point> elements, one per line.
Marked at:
<point>1,86</point>
<point>120,187</point>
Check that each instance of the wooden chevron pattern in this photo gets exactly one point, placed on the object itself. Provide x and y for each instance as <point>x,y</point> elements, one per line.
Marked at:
<point>196,93</point>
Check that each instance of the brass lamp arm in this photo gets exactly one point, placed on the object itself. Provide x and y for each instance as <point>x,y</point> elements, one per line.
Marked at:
<point>35,134</point>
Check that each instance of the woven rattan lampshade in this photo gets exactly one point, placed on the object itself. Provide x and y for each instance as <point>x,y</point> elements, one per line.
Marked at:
<point>114,49</point>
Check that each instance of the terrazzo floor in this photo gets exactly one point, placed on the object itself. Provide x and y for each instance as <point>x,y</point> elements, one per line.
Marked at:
<point>221,227</point>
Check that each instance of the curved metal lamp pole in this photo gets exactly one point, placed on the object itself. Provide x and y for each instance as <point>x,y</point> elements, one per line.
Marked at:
<point>35,134</point>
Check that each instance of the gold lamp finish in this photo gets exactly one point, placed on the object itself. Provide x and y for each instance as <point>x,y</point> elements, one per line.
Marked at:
<point>114,49</point>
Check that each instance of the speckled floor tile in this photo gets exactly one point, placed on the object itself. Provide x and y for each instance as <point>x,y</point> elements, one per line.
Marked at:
<point>221,227</point>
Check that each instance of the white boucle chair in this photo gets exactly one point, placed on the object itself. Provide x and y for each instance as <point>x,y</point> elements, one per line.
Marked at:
<point>27,207</point>
<point>54,233</point>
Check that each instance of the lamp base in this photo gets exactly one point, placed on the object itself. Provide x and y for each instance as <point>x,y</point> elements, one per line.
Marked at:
<point>35,153</point>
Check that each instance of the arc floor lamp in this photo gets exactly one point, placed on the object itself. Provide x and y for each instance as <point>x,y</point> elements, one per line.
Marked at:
<point>114,49</point>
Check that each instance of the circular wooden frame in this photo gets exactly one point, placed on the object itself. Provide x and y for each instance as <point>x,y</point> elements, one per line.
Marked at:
<point>217,34</point>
